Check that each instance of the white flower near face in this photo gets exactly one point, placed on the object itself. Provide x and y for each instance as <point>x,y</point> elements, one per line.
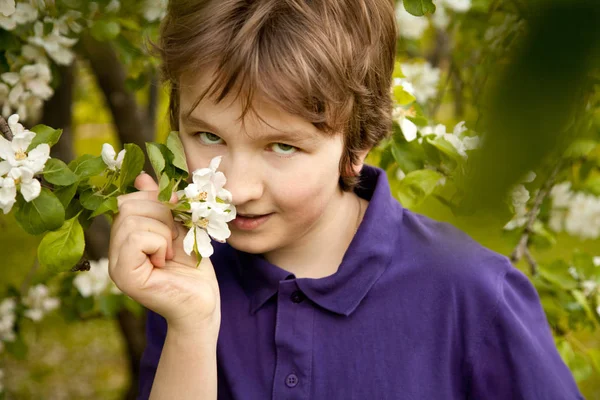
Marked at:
<point>423,77</point>
<point>7,7</point>
<point>56,45</point>
<point>39,302</point>
<point>14,153</point>
<point>7,320</point>
<point>410,26</point>
<point>110,157</point>
<point>23,14</point>
<point>154,9</point>
<point>208,183</point>
<point>95,281</point>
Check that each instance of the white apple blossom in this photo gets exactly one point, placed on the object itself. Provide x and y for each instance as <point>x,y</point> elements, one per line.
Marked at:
<point>7,7</point>
<point>598,310</point>
<point>459,6</point>
<point>575,212</point>
<point>457,139</point>
<point>113,7</point>
<point>154,9</point>
<point>440,18</point>
<point>56,45</point>
<point>8,194</point>
<point>424,79</point>
<point>67,22</point>
<point>23,14</point>
<point>209,207</point>
<point>110,157</point>
<point>596,261</point>
<point>95,281</point>
<point>589,287</point>
<point>39,302</point>
<point>34,54</point>
<point>7,320</point>
<point>409,129</point>
<point>410,26</point>
<point>15,154</point>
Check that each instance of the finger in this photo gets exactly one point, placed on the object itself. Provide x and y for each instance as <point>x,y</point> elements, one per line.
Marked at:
<point>144,182</point>
<point>146,208</point>
<point>142,249</point>
<point>136,223</point>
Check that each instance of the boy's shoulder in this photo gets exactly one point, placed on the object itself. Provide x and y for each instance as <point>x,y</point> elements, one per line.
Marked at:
<point>440,254</point>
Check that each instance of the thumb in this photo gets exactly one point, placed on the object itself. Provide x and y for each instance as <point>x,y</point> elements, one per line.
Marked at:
<point>144,182</point>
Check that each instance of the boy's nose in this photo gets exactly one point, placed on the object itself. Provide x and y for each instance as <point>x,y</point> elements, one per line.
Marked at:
<point>244,181</point>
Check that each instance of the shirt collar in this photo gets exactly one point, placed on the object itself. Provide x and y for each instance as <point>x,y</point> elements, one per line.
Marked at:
<point>368,255</point>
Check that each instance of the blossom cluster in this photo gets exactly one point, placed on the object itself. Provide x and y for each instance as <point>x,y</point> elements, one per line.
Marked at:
<point>18,166</point>
<point>96,281</point>
<point>27,85</point>
<point>39,302</point>
<point>520,197</point>
<point>577,213</point>
<point>210,207</point>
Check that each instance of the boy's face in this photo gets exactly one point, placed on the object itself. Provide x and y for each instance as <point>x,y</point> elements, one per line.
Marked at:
<point>287,173</point>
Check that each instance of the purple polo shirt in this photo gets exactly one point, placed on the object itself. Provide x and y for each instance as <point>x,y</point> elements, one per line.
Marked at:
<point>417,310</point>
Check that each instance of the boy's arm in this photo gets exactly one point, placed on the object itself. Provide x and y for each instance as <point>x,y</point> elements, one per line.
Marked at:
<point>516,357</point>
<point>187,367</point>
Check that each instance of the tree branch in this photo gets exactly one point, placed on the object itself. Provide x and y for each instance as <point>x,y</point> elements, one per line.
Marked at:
<point>522,248</point>
<point>5,129</point>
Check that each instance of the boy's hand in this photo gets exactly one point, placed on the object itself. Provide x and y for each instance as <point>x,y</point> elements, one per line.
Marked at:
<point>148,263</point>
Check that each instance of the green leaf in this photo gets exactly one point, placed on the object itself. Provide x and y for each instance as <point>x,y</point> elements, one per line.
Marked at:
<point>104,30</point>
<point>108,205</point>
<point>60,250</point>
<point>165,188</point>
<point>445,147</point>
<point>558,274</point>
<point>541,237</point>
<point>409,155</point>
<point>584,264</point>
<point>91,199</point>
<point>132,165</point>
<point>44,134</point>
<point>156,157</point>
<point>87,166</point>
<point>174,144</point>
<point>44,213</point>
<point>58,173</point>
<point>402,97</point>
<point>66,193</point>
<point>416,186</point>
<point>581,299</point>
<point>580,148</point>
<point>419,7</point>
<point>592,185</point>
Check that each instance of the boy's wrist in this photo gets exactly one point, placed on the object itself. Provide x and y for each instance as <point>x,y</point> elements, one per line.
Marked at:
<point>203,330</point>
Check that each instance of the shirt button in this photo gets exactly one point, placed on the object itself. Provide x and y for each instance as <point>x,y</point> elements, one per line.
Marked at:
<point>291,380</point>
<point>297,296</point>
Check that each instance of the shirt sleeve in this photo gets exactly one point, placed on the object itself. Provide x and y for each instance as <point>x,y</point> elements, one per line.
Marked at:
<point>516,357</point>
<point>156,332</point>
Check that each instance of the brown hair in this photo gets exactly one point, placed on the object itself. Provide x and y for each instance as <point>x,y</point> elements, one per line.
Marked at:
<point>328,61</point>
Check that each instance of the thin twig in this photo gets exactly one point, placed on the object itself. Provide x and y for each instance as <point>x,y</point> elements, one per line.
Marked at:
<point>5,129</point>
<point>522,248</point>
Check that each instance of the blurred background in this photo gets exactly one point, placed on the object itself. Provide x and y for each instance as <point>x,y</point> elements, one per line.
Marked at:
<point>496,130</point>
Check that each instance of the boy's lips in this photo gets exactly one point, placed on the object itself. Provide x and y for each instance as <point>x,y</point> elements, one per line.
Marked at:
<point>248,222</point>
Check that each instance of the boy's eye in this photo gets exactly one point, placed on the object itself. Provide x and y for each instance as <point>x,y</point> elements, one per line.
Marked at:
<point>282,148</point>
<point>209,138</point>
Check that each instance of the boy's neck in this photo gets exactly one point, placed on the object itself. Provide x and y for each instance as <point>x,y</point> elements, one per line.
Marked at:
<point>320,253</point>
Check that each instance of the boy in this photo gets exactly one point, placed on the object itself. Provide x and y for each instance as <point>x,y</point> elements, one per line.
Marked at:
<point>327,287</point>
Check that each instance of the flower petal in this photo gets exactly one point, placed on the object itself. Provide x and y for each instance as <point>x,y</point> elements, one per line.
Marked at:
<point>203,242</point>
<point>215,162</point>
<point>120,158</point>
<point>37,158</point>
<point>188,242</point>
<point>108,155</point>
<point>219,230</point>
<point>409,129</point>
<point>30,190</point>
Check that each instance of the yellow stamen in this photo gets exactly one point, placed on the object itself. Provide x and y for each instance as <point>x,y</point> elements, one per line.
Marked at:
<point>202,223</point>
<point>201,196</point>
<point>20,155</point>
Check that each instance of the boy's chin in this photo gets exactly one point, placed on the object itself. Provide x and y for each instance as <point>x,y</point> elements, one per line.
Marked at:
<point>249,244</point>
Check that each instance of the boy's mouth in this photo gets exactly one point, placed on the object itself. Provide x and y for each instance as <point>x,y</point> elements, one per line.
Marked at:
<point>248,222</point>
